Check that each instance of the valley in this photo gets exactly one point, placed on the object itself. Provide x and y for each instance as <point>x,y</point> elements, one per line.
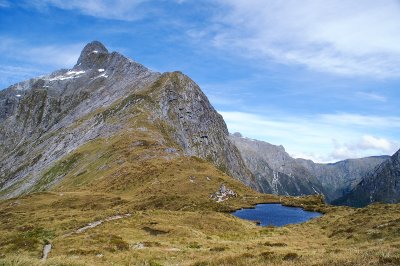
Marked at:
<point>110,163</point>
<point>191,234</point>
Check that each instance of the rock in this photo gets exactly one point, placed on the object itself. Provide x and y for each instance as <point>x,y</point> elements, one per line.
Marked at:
<point>92,56</point>
<point>43,125</point>
<point>237,135</point>
<point>222,189</point>
<point>138,246</point>
<point>192,122</point>
<point>223,194</point>
<point>380,185</point>
<point>58,113</point>
<point>341,177</point>
<point>170,150</point>
<point>275,170</point>
<point>46,251</point>
<point>278,173</point>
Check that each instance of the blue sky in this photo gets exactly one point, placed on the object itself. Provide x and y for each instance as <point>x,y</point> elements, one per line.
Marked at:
<point>319,77</point>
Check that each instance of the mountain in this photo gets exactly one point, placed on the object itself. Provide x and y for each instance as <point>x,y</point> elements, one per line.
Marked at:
<point>276,172</point>
<point>339,178</point>
<point>47,124</point>
<point>46,121</point>
<point>380,185</point>
<point>114,164</point>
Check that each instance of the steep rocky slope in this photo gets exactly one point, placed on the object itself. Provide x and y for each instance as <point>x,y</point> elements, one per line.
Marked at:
<point>341,177</point>
<point>278,173</point>
<point>275,170</point>
<point>107,152</point>
<point>46,119</point>
<point>380,185</point>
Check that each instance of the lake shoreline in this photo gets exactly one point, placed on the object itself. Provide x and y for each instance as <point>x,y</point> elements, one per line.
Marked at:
<point>275,214</point>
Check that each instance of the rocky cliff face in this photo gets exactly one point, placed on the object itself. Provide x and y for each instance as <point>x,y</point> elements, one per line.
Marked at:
<point>275,170</point>
<point>189,119</point>
<point>34,107</point>
<point>380,185</point>
<point>341,177</point>
<point>278,173</point>
<point>44,119</point>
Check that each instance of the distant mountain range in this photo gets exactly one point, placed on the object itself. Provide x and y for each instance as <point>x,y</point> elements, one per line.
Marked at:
<point>275,171</point>
<point>380,185</point>
<point>339,178</point>
<point>47,124</point>
<point>278,173</point>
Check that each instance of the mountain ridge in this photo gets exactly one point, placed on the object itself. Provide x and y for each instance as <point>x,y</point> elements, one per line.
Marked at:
<point>111,163</point>
<point>272,165</point>
<point>46,118</point>
<point>275,170</point>
<point>380,185</point>
<point>340,177</point>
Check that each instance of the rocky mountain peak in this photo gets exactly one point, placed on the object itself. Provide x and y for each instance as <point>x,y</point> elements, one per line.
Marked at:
<point>396,156</point>
<point>275,171</point>
<point>105,95</point>
<point>379,185</point>
<point>237,134</point>
<point>92,55</point>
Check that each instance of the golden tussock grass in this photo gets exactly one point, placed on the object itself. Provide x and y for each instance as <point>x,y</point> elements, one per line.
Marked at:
<point>173,220</point>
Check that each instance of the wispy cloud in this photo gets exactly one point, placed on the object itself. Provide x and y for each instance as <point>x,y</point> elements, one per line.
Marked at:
<point>4,4</point>
<point>371,96</point>
<point>11,74</point>
<point>364,144</point>
<point>53,55</point>
<point>370,121</point>
<point>227,94</point>
<point>371,142</point>
<point>41,59</point>
<point>108,9</point>
<point>315,137</point>
<point>341,37</point>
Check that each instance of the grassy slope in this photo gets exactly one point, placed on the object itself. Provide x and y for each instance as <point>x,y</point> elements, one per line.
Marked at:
<point>343,236</point>
<point>173,220</point>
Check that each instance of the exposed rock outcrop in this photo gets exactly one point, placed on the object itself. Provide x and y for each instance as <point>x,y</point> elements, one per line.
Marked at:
<point>341,177</point>
<point>275,171</point>
<point>186,115</point>
<point>223,194</point>
<point>380,185</point>
<point>44,119</point>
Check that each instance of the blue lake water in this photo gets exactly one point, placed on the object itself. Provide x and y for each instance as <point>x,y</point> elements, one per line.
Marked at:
<point>276,214</point>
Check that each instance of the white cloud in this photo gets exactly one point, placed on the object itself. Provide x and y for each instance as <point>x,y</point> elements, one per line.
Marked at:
<point>370,121</point>
<point>41,59</point>
<point>365,144</point>
<point>371,142</point>
<point>218,99</point>
<point>54,55</point>
<point>11,74</point>
<point>311,156</point>
<point>314,137</point>
<point>343,152</point>
<point>342,37</point>
<point>371,96</point>
<point>50,55</point>
<point>108,9</point>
